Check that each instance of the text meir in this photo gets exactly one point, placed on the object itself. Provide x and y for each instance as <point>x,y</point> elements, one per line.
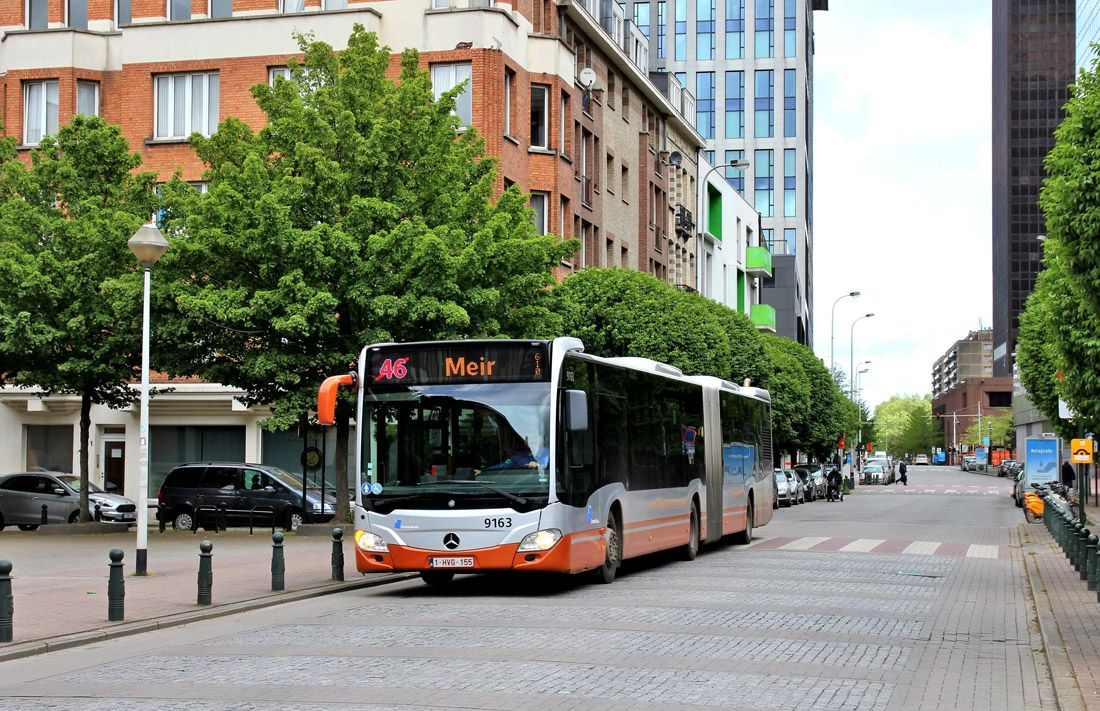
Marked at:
<point>473,368</point>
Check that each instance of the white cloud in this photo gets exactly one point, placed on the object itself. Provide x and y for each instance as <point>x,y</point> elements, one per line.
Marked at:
<point>902,201</point>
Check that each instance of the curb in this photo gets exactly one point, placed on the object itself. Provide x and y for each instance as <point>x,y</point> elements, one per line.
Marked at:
<point>125,629</point>
<point>1066,691</point>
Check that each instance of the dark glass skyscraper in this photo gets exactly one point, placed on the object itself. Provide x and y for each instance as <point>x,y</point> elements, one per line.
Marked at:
<point>1034,52</point>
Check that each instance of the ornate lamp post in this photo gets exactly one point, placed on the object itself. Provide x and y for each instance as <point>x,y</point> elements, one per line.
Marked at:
<point>148,245</point>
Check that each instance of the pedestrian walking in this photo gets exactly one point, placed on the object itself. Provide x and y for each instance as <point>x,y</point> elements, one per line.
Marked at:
<point>1068,476</point>
<point>901,470</point>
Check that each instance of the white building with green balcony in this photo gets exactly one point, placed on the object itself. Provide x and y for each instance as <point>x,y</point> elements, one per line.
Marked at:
<point>732,261</point>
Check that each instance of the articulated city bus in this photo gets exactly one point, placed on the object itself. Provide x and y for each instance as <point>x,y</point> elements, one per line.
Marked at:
<point>533,455</point>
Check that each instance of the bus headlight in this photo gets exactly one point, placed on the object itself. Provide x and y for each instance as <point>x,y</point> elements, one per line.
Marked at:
<point>542,540</point>
<point>370,542</point>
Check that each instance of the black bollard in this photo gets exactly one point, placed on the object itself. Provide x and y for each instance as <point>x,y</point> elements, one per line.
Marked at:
<point>222,523</point>
<point>1090,570</point>
<point>7,607</point>
<point>44,518</point>
<point>206,571</point>
<point>98,515</point>
<point>1082,550</point>
<point>1071,545</point>
<point>278,566</point>
<point>116,588</point>
<point>337,554</point>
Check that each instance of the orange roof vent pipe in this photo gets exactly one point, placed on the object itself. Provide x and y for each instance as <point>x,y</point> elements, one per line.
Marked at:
<point>326,398</point>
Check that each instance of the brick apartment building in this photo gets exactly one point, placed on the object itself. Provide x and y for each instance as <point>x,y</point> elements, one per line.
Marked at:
<point>613,161</point>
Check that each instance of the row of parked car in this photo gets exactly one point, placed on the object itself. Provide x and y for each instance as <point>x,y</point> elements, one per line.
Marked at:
<point>802,483</point>
<point>191,495</point>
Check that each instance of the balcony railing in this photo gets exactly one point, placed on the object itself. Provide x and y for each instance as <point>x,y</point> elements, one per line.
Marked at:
<point>758,262</point>
<point>763,317</point>
<point>684,221</point>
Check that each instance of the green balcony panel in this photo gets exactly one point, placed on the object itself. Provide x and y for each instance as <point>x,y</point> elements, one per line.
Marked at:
<point>758,262</point>
<point>763,317</point>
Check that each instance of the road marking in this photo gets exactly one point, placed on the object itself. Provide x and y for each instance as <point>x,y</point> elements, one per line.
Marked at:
<point>803,543</point>
<point>862,545</point>
<point>921,548</point>
<point>977,551</point>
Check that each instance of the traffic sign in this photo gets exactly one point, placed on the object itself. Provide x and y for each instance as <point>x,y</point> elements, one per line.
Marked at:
<point>1081,451</point>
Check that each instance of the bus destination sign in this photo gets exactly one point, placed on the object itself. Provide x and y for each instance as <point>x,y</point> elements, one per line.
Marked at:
<point>477,362</point>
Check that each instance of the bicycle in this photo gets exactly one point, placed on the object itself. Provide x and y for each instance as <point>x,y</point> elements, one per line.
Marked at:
<point>1033,507</point>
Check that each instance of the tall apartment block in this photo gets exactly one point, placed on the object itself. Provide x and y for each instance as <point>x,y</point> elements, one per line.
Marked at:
<point>750,66</point>
<point>1037,47</point>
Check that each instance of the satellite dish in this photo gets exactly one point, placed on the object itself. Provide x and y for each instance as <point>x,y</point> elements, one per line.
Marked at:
<point>675,158</point>
<point>588,77</point>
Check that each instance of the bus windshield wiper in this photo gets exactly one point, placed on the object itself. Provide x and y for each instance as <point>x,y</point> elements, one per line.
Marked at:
<point>518,500</point>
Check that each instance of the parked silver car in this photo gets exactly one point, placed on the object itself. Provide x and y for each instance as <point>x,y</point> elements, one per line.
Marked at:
<point>23,494</point>
<point>783,488</point>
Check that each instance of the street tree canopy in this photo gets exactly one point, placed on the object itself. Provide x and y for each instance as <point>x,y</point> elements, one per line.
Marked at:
<point>358,214</point>
<point>1071,207</point>
<point>70,290</point>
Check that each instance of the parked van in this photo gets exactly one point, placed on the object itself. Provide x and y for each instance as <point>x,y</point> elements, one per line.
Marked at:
<point>248,493</point>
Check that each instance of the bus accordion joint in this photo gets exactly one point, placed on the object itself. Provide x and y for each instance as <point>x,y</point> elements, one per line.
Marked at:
<point>326,398</point>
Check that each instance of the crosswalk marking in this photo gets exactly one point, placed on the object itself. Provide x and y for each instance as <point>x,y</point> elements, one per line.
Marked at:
<point>863,545</point>
<point>803,543</point>
<point>823,544</point>
<point>921,548</point>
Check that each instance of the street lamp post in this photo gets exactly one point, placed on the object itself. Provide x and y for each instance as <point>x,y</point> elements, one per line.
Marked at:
<point>852,369</point>
<point>832,323</point>
<point>148,245</point>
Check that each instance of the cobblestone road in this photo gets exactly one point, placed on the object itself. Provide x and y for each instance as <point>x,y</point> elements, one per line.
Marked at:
<point>761,627</point>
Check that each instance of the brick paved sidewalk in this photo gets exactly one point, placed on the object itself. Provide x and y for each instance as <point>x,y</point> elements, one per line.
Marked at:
<point>59,583</point>
<point>1069,616</point>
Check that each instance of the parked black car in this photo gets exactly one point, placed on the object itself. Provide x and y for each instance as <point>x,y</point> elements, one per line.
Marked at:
<point>249,493</point>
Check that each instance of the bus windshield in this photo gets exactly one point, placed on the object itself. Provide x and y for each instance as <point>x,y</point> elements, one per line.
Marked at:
<point>435,446</point>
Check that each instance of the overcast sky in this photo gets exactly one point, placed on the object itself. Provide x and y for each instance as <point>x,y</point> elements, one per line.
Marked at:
<point>902,184</point>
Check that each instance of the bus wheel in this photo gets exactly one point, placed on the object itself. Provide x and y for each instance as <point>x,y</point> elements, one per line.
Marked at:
<point>692,548</point>
<point>613,553</point>
<point>436,577</point>
<point>745,537</point>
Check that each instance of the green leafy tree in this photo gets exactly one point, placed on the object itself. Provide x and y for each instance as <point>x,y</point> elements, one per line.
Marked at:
<point>624,312</point>
<point>825,418</point>
<point>921,433</point>
<point>70,317</point>
<point>1071,207</point>
<point>1037,356</point>
<point>358,214</point>
<point>791,398</point>
<point>892,419</point>
<point>1001,432</point>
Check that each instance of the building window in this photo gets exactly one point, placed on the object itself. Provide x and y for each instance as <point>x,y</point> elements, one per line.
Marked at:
<point>735,176</point>
<point>681,30</point>
<point>610,89</point>
<point>790,20</point>
<point>789,182</point>
<point>790,240</point>
<point>626,102</point>
<point>789,125</point>
<point>704,107</point>
<point>186,104</point>
<point>179,9</point>
<point>40,110</point>
<point>540,203</point>
<point>764,103</point>
<point>37,14</point>
<point>50,448</point>
<point>275,72</point>
<point>624,183</point>
<point>220,8</point>
<point>563,121</point>
<point>122,13</point>
<point>540,116</point>
<point>87,98</point>
<point>767,240</point>
<point>735,104</point>
<point>508,78</point>
<point>764,182</point>
<point>735,29</point>
<point>446,77</point>
<point>641,17</point>
<point>335,5</point>
<point>292,6</point>
<point>662,24</point>
<point>704,29</point>
<point>765,26</point>
<point>76,14</point>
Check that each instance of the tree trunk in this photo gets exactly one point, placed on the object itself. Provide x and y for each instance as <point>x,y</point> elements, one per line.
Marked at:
<point>85,429</point>
<point>343,425</point>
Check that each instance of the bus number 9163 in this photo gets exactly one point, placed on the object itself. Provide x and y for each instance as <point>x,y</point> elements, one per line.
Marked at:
<point>498,523</point>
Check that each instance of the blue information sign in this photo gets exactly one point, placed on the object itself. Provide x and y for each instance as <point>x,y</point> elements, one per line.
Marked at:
<point>1041,461</point>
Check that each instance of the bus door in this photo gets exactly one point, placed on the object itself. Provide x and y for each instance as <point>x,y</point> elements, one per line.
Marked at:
<point>713,464</point>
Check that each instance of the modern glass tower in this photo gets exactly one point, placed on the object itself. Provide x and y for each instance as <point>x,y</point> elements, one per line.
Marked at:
<point>750,65</point>
<point>1038,45</point>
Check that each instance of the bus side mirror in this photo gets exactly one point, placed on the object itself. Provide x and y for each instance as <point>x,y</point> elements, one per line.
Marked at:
<point>576,410</point>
